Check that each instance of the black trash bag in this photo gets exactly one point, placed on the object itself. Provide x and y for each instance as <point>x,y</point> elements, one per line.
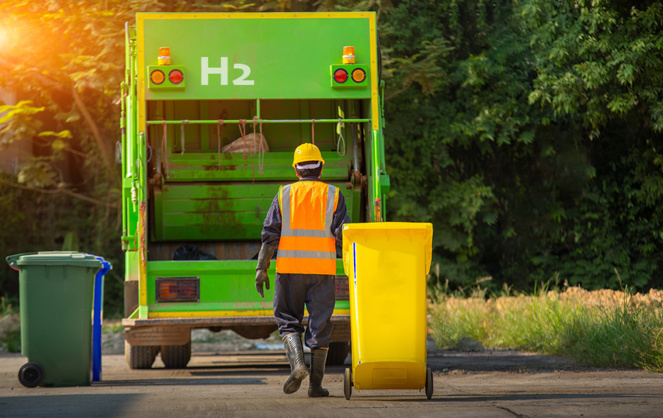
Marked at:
<point>191,252</point>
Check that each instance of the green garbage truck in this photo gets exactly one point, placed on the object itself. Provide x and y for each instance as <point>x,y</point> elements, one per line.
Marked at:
<point>213,106</point>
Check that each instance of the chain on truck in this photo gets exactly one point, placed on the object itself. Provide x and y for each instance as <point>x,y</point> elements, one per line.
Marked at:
<point>213,106</point>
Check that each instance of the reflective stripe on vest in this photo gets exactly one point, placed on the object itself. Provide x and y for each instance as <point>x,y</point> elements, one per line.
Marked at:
<point>307,245</point>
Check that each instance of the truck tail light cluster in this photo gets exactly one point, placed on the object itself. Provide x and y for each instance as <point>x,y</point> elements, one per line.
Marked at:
<point>157,78</point>
<point>342,288</point>
<point>358,75</point>
<point>177,289</point>
<point>349,74</point>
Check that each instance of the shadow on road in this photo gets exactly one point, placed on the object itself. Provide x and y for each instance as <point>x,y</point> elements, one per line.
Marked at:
<point>192,381</point>
<point>497,361</point>
<point>546,396</point>
<point>67,405</point>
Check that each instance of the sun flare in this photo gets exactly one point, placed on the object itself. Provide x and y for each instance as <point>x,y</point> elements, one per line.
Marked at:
<point>4,38</point>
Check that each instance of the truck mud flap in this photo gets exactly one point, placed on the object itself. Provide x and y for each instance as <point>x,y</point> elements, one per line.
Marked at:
<point>158,336</point>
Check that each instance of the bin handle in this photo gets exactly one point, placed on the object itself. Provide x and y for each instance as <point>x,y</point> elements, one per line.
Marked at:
<point>12,259</point>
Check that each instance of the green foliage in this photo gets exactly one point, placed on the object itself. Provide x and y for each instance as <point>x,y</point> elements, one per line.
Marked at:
<point>613,235</point>
<point>17,121</point>
<point>8,305</point>
<point>10,332</point>
<point>444,151</point>
<point>13,341</point>
<point>597,61</point>
<point>523,89</point>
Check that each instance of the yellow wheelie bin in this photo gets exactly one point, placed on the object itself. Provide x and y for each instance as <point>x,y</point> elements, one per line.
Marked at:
<point>387,264</point>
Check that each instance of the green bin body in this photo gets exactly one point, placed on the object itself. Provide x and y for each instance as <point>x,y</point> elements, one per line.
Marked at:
<point>56,295</point>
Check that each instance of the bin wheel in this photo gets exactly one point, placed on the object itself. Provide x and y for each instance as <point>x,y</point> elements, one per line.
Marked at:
<point>31,375</point>
<point>347,384</point>
<point>429,383</point>
<point>176,356</point>
<point>140,356</point>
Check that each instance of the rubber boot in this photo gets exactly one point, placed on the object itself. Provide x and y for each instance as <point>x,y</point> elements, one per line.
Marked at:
<point>298,371</point>
<point>318,360</point>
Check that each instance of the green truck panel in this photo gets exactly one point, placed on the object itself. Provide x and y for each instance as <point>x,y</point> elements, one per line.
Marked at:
<point>282,58</point>
<point>230,282</point>
<point>217,212</point>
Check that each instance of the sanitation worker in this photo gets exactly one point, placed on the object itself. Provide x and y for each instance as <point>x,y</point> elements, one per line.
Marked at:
<point>305,223</point>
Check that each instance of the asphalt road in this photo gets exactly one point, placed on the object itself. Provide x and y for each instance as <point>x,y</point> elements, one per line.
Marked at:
<point>487,384</point>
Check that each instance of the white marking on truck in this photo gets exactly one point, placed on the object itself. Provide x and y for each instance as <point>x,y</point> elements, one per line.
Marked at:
<point>222,71</point>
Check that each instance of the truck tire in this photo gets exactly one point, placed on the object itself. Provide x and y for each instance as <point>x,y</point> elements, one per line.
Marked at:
<point>140,356</point>
<point>176,356</point>
<point>337,353</point>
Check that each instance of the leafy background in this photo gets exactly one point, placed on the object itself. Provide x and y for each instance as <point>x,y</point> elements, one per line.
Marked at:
<point>527,131</point>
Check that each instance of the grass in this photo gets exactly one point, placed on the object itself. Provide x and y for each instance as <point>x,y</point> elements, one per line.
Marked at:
<point>12,341</point>
<point>112,327</point>
<point>598,329</point>
<point>10,334</point>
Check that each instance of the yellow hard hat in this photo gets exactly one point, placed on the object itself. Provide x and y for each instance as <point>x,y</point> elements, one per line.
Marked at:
<point>307,152</point>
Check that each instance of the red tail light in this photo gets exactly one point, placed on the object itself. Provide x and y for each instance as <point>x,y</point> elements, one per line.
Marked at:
<point>176,76</point>
<point>340,75</point>
<point>178,289</point>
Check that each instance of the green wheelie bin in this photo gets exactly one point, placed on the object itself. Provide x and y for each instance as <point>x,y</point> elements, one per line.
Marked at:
<point>56,295</point>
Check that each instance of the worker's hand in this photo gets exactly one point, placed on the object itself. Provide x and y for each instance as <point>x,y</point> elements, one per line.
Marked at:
<point>261,278</point>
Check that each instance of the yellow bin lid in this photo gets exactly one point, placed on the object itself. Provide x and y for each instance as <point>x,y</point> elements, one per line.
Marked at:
<point>389,233</point>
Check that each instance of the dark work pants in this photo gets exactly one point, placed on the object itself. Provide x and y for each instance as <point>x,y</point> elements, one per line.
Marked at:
<point>318,293</point>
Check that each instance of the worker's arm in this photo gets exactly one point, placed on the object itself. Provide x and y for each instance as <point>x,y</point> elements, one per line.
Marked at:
<point>271,227</point>
<point>340,217</point>
<point>271,234</point>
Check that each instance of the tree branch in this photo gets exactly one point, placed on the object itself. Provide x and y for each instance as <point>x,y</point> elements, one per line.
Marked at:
<point>61,190</point>
<point>105,155</point>
<point>89,199</point>
<point>397,92</point>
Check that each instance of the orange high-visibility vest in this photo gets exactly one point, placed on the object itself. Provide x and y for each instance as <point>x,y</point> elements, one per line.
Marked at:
<point>307,244</point>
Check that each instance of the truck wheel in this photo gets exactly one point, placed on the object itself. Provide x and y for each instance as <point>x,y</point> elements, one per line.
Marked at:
<point>337,353</point>
<point>140,356</point>
<point>176,356</point>
<point>31,375</point>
